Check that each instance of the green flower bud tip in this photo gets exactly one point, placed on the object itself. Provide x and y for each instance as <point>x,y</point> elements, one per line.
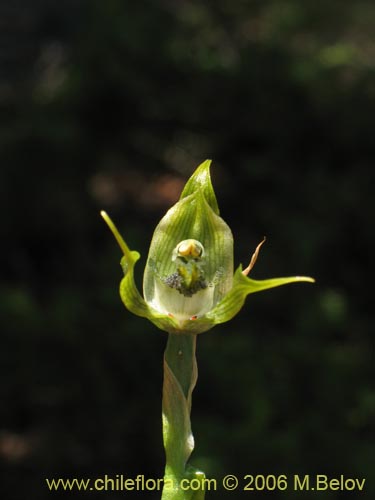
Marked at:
<point>188,282</point>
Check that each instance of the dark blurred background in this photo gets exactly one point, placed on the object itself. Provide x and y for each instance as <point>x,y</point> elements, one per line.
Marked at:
<point>111,105</point>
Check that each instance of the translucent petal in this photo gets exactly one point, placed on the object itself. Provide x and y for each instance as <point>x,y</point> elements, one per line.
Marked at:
<point>167,300</point>
<point>191,218</point>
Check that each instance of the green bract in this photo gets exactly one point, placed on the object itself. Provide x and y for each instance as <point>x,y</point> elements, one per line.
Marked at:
<point>188,281</point>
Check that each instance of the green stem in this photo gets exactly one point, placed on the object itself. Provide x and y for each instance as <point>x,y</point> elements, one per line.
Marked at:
<point>181,482</point>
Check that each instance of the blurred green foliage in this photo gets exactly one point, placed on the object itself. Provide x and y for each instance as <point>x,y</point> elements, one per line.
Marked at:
<point>111,105</point>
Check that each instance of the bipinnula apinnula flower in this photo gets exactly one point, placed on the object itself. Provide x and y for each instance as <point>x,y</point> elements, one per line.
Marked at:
<point>189,285</point>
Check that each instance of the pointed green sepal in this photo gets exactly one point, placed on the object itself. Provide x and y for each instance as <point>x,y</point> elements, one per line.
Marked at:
<point>128,289</point>
<point>129,293</point>
<point>242,287</point>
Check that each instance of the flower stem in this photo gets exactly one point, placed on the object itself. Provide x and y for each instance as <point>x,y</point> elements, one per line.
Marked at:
<point>180,377</point>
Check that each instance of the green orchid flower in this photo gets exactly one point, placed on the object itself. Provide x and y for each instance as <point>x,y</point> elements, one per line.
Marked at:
<point>188,287</point>
<point>188,284</point>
